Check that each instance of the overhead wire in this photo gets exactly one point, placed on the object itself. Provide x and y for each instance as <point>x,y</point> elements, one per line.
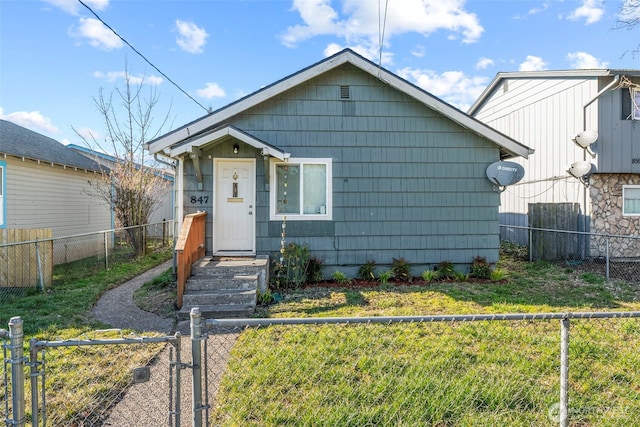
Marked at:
<point>208,110</point>
<point>382,25</point>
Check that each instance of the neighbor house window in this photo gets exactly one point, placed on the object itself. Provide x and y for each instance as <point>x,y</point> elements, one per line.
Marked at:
<point>631,200</point>
<point>635,101</point>
<point>302,189</point>
<point>2,191</point>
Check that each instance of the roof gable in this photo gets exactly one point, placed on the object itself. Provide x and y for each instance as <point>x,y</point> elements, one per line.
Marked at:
<point>509,147</point>
<point>545,75</point>
<point>18,141</point>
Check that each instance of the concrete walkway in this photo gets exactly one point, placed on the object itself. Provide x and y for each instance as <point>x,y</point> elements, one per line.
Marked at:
<point>116,306</point>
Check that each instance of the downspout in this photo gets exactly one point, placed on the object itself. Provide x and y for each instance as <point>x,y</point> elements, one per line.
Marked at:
<point>615,81</point>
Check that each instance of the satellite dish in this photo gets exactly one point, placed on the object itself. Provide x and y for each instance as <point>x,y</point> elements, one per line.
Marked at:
<point>586,138</point>
<point>505,173</point>
<point>580,168</point>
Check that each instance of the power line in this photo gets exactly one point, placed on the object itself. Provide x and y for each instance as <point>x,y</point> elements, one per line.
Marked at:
<point>143,57</point>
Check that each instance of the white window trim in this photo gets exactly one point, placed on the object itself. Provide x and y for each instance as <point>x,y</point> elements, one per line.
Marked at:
<point>3,191</point>
<point>635,104</point>
<point>627,187</point>
<point>327,216</point>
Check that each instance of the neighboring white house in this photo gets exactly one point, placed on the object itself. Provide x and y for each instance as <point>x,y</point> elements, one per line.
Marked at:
<point>164,210</point>
<point>554,112</point>
<point>45,185</point>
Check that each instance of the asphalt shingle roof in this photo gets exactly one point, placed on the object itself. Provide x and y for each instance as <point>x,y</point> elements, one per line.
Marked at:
<point>18,141</point>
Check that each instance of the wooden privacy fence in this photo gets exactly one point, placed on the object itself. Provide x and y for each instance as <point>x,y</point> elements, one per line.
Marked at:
<point>550,246</point>
<point>26,258</point>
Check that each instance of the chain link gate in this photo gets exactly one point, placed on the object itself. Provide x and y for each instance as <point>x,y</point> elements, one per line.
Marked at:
<point>91,381</point>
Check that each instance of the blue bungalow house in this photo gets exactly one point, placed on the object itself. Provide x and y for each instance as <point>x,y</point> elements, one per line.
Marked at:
<point>357,162</point>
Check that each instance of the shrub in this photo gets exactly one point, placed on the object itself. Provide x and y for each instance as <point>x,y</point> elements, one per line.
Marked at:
<point>367,271</point>
<point>401,269</point>
<point>290,270</point>
<point>446,270</point>
<point>385,276</point>
<point>429,275</point>
<point>480,268</point>
<point>265,298</point>
<point>498,274</point>
<point>314,270</point>
<point>340,277</point>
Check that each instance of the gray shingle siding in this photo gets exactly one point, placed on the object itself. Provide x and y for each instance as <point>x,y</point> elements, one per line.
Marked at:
<point>407,181</point>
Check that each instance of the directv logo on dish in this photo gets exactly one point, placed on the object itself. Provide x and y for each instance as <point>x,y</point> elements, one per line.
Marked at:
<point>503,168</point>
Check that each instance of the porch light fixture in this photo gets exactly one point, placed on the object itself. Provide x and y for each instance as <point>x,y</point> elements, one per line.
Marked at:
<point>236,148</point>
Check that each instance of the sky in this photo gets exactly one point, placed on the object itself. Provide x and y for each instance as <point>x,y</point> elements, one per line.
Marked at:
<point>56,56</point>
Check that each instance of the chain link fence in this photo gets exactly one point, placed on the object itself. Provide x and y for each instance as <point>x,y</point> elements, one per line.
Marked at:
<point>32,263</point>
<point>613,257</point>
<point>484,370</point>
<point>578,369</point>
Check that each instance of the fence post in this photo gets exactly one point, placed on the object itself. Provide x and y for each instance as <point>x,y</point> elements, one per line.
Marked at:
<point>106,252</point>
<point>607,256</point>
<point>39,263</point>
<point>17,360</point>
<point>196,358</point>
<point>564,372</point>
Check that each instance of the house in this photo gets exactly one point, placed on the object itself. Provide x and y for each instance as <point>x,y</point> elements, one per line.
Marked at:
<point>44,185</point>
<point>164,210</point>
<point>348,159</point>
<point>557,113</point>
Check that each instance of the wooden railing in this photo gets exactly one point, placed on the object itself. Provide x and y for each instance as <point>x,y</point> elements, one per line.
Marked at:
<point>190,247</point>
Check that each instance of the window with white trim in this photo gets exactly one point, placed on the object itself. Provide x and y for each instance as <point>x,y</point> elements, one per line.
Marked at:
<point>631,200</point>
<point>635,104</point>
<point>301,189</point>
<point>2,190</point>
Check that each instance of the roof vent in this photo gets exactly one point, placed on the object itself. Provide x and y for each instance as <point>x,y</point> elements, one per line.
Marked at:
<point>345,92</point>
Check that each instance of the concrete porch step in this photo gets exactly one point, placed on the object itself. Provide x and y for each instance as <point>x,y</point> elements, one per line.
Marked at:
<point>235,283</point>
<point>225,287</point>
<point>200,298</point>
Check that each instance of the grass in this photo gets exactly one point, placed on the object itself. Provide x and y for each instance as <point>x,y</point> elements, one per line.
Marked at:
<point>75,290</point>
<point>441,374</point>
<point>80,380</point>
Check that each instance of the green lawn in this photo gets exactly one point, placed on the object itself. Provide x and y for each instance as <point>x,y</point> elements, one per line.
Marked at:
<point>441,374</point>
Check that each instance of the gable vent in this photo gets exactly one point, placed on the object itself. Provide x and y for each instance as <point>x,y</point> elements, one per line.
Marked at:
<point>345,92</point>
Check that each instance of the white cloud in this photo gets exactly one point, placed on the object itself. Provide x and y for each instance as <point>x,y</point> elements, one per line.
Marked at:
<point>33,120</point>
<point>191,38</point>
<point>453,87</point>
<point>583,60</point>
<point>210,91</point>
<point>112,76</point>
<point>358,24</point>
<point>483,63</point>
<point>533,63</point>
<point>97,34</point>
<point>73,7</point>
<point>590,10</point>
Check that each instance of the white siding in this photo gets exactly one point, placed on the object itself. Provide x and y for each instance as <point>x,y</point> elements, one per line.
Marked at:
<point>39,195</point>
<point>544,114</point>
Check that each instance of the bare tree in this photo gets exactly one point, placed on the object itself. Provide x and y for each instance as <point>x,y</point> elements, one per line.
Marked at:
<point>130,184</point>
<point>629,19</point>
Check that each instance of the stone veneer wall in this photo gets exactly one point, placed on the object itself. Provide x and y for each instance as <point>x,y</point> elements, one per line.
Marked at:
<point>606,216</point>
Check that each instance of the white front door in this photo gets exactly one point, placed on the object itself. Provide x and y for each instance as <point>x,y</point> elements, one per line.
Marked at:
<point>234,219</point>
